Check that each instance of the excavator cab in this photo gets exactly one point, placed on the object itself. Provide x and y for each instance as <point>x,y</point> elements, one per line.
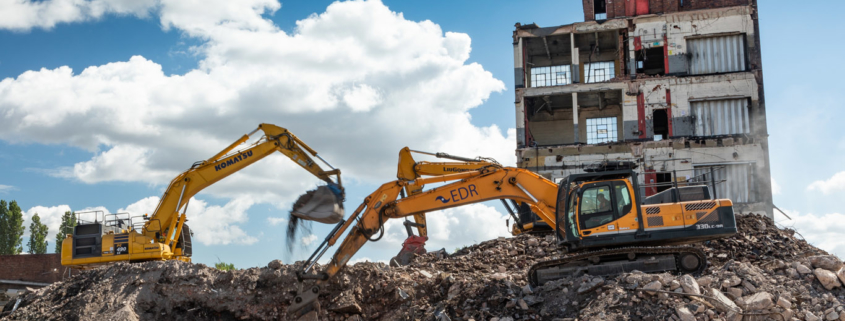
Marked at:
<point>604,207</point>
<point>603,210</point>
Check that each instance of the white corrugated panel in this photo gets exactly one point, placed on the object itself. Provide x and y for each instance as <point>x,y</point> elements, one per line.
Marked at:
<point>716,54</point>
<point>733,181</point>
<point>721,117</point>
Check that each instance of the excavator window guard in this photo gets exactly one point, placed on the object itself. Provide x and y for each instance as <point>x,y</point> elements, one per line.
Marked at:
<point>571,219</point>
<point>623,198</point>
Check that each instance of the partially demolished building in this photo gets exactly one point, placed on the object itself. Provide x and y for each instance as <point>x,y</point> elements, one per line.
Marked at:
<point>675,85</point>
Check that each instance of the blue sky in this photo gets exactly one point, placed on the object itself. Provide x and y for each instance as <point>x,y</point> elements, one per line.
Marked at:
<point>75,140</point>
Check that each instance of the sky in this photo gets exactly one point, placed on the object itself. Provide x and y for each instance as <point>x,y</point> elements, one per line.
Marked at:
<point>103,102</point>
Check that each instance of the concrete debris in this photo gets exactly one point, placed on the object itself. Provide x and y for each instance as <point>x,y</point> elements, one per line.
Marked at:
<point>827,278</point>
<point>684,314</point>
<point>690,285</point>
<point>758,301</point>
<point>827,262</point>
<point>755,275</point>
<point>275,264</point>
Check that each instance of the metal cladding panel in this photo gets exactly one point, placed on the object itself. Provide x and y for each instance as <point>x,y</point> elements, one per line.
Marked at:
<point>733,181</point>
<point>721,117</point>
<point>717,54</point>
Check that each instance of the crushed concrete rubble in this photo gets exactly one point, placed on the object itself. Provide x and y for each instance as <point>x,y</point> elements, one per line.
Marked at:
<point>763,273</point>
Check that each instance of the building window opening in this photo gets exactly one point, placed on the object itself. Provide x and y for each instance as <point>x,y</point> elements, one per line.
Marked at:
<point>650,62</point>
<point>600,8</point>
<point>660,122</point>
<point>550,76</point>
<point>599,71</point>
<point>664,181</point>
<point>601,130</point>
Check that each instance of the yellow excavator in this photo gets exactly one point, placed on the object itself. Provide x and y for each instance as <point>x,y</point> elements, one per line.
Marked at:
<point>601,210</point>
<point>103,239</point>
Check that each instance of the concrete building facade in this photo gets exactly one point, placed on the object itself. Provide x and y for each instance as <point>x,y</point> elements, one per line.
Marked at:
<point>674,85</point>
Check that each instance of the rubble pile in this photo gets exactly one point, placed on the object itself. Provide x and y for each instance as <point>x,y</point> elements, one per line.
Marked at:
<point>760,274</point>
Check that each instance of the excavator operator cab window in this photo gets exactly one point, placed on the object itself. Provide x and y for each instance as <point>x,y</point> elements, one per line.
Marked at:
<point>623,198</point>
<point>596,209</point>
<point>570,214</point>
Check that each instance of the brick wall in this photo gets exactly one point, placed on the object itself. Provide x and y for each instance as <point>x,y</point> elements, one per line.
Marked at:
<point>42,268</point>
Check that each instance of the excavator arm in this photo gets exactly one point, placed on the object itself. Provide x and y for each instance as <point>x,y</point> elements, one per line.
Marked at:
<point>410,170</point>
<point>167,218</point>
<point>488,183</point>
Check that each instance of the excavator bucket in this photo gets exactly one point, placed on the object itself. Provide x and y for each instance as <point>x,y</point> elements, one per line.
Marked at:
<point>321,205</point>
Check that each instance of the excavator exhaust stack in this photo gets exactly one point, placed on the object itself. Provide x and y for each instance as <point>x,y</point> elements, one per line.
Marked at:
<point>322,205</point>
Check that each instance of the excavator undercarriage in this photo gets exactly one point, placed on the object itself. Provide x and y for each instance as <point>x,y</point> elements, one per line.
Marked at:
<point>681,259</point>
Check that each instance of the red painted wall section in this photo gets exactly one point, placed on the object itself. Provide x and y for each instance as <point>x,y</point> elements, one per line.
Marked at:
<point>641,114</point>
<point>642,7</point>
<point>638,43</point>
<point>650,181</point>
<point>669,112</point>
<point>40,268</point>
<point>665,55</point>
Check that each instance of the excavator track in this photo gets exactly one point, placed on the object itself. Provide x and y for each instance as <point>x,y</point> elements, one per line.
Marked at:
<point>682,259</point>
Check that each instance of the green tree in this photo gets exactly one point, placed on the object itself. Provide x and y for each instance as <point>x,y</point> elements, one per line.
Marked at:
<point>68,222</point>
<point>11,228</point>
<point>37,236</point>
<point>4,214</point>
<point>222,266</point>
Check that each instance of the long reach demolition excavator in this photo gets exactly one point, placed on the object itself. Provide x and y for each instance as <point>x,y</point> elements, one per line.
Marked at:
<point>600,210</point>
<point>165,236</point>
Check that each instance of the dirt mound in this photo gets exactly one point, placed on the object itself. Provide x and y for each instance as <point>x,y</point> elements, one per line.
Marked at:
<point>762,273</point>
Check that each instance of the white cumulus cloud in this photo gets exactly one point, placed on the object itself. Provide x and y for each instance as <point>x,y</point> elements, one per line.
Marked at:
<point>274,221</point>
<point>343,80</point>
<point>50,216</point>
<point>828,186</point>
<point>822,230</point>
<point>357,82</point>
<point>24,15</point>
<point>307,240</point>
<point>211,224</point>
